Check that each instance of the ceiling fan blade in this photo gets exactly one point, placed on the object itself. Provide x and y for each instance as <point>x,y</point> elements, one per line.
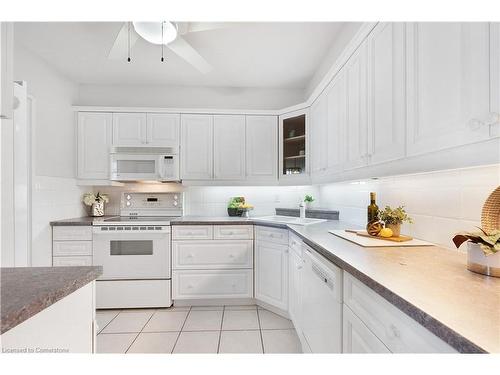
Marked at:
<point>119,49</point>
<point>188,53</point>
<point>194,27</point>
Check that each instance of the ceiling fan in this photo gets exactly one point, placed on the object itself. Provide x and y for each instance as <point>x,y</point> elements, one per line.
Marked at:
<point>167,34</point>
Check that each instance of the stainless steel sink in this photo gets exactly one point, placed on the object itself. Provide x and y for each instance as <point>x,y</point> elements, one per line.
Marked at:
<point>289,220</point>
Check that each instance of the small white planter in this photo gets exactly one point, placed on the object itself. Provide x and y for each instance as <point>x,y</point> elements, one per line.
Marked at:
<point>480,263</point>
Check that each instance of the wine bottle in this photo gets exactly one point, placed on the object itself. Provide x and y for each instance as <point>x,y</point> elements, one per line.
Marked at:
<point>372,209</point>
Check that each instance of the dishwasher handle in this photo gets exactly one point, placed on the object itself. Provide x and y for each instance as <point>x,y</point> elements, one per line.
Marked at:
<point>323,276</point>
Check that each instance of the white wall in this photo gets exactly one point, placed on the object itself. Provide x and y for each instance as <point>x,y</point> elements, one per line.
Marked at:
<point>440,203</point>
<point>349,29</point>
<point>54,191</point>
<point>188,97</point>
<point>212,200</point>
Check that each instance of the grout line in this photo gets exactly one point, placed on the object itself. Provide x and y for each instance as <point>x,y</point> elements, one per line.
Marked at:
<point>119,312</point>
<point>132,343</point>
<point>182,328</point>
<point>220,331</point>
<point>260,333</point>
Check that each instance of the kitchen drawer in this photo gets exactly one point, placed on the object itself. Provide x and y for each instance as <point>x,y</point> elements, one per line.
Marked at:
<point>189,284</point>
<point>357,338</point>
<point>192,232</point>
<point>65,248</point>
<point>233,232</point>
<point>214,254</point>
<point>72,233</point>
<point>295,244</point>
<point>116,294</point>
<point>72,261</point>
<point>275,235</point>
<point>395,329</point>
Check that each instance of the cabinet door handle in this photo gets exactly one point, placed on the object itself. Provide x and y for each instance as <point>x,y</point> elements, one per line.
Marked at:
<point>231,256</point>
<point>190,255</point>
<point>299,267</point>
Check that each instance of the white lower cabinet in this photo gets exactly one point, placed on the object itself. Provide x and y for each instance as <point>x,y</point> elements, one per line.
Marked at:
<point>212,262</point>
<point>295,266</point>
<point>357,338</point>
<point>206,284</point>
<point>72,245</point>
<point>396,330</point>
<point>271,268</point>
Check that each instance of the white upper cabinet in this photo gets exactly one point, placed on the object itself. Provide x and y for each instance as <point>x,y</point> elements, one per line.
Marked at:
<point>386,92</point>
<point>229,147</point>
<point>448,75</point>
<point>262,148</point>
<point>6,72</point>
<point>319,138</point>
<point>129,129</point>
<point>163,130</point>
<point>337,116</point>
<point>356,150</point>
<point>196,147</point>
<point>94,141</point>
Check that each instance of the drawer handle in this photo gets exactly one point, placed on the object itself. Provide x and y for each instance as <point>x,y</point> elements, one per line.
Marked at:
<point>231,233</point>
<point>190,286</point>
<point>231,256</point>
<point>190,255</point>
<point>233,285</point>
<point>271,235</point>
<point>190,233</point>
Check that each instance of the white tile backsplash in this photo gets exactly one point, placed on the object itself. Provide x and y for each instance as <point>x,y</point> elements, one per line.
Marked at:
<point>441,203</point>
<point>53,198</point>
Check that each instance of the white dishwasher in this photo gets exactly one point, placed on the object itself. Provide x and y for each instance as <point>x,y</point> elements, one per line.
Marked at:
<point>321,303</point>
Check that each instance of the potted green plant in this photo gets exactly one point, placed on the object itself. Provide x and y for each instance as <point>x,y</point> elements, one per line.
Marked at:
<point>393,218</point>
<point>234,206</point>
<point>96,202</point>
<point>308,199</point>
<point>483,251</point>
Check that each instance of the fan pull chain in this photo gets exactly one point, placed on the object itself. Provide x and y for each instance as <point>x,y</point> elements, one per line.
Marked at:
<point>162,26</point>
<point>128,41</point>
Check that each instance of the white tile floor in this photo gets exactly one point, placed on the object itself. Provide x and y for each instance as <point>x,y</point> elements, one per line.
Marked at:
<point>205,329</point>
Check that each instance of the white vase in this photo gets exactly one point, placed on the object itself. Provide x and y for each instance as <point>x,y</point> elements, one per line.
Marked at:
<point>480,263</point>
<point>97,209</point>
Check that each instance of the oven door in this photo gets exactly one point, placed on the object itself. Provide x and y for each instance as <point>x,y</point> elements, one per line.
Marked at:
<point>132,252</point>
<point>135,167</point>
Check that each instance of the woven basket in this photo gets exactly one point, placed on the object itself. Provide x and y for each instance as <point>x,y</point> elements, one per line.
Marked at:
<point>490,215</point>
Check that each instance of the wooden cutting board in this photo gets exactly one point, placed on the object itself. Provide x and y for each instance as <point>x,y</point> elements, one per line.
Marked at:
<point>395,239</point>
<point>370,241</point>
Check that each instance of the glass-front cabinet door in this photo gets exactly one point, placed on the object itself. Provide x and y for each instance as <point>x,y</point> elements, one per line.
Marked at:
<point>294,146</point>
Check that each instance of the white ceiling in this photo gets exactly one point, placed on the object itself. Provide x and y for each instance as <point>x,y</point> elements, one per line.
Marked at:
<point>264,55</point>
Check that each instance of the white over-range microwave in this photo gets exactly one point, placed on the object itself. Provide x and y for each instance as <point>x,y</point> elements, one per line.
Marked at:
<point>129,166</point>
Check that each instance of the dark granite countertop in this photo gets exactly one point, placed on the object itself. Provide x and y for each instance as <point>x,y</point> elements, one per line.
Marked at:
<point>430,284</point>
<point>25,291</point>
<point>87,220</point>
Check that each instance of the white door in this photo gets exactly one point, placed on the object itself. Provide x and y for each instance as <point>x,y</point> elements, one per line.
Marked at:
<point>262,148</point>
<point>357,338</point>
<point>386,92</point>
<point>494,120</point>
<point>163,130</point>
<point>129,129</point>
<point>448,84</point>
<point>356,152</point>
<point>337,112</point>
<point>294,293</point>
<point>319,144</point>
<point>196,147</point>
<point>229,147</point>
<point>271,274</point>
<point>94,140</point>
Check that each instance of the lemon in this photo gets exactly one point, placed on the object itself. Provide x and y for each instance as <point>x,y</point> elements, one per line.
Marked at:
<point>385,232</point>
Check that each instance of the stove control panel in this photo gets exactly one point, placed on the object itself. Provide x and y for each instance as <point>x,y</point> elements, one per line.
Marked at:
<point>151,204</point>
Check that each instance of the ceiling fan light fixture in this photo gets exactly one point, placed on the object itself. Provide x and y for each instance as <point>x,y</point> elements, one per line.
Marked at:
<point>152,31</point>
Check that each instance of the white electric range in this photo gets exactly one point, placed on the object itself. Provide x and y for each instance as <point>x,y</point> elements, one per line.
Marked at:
<point>134,251</point>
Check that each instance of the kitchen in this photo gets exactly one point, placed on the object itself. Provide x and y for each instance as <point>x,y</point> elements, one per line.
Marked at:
<point>161,196</point>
